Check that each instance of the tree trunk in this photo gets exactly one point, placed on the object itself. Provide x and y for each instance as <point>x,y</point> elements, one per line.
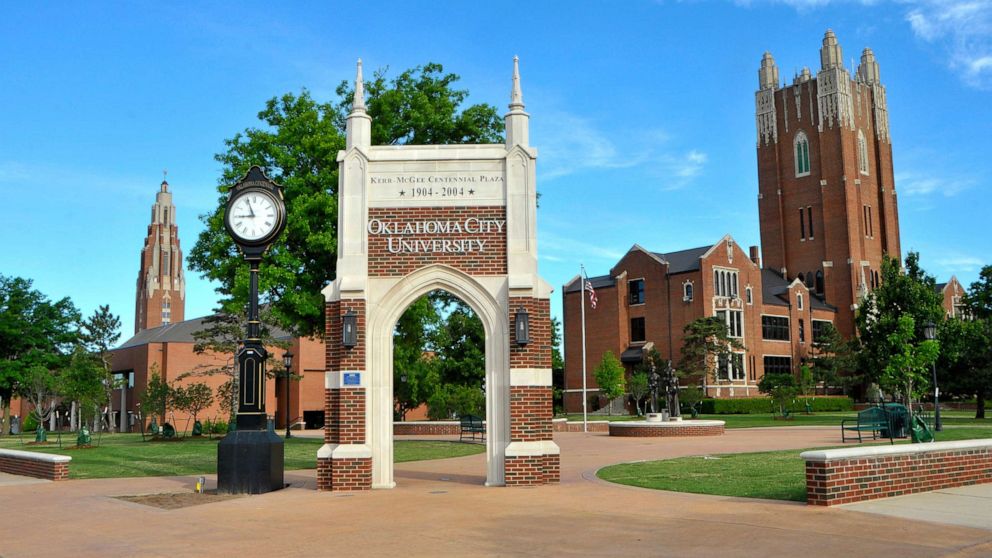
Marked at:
<point>980,406</point>
<point>6,419</point>
<point>72,417</point>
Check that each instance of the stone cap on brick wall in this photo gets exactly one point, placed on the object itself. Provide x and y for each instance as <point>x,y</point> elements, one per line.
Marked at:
<point>903,449</point>
<point>669,424</point>
<point>35,456</point>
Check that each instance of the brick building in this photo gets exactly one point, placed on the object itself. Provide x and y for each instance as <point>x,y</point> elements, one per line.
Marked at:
<point>827,211</point>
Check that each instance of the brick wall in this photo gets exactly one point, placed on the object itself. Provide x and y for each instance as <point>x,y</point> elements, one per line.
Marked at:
<point>536,353</point>
<point>344,475</point>
<point>843,480</point>
<point>491,261</point>
<point>681,431</point>
<point>338,356</point>
<point>427,428</point>
<point>29,466</point>
<point>530,413</point>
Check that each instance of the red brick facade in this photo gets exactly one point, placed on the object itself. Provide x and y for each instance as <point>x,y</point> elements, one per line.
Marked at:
<point>344,475</point>
<point>490,261</point>
<point>530,412</point>
<point>854,479</point>
<point>683,430</point>
<point>160,297</point>
<point>29,464</point>
<point>536,353</point>
<point>340,357</point>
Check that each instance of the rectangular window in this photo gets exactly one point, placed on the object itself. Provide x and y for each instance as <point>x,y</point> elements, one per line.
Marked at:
<point>730,368</point>
<point>871,224</point>
<point>802,224</point>
<point>734,320</point>
<point>737,372</point>
<point>165,264</point>
<point>750,372</point>
<point>818,327</point>
<point>778,365</point>
<point>802,331</point>
<point>775,328</point>
<point>636,290</point>
<point>637,330</point>
<point>809,215</point>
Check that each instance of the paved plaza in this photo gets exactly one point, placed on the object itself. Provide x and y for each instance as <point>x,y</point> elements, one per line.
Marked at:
<point>440,508</point>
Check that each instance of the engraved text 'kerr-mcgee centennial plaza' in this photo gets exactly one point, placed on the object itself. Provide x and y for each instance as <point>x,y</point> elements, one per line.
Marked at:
<point>396,244</point>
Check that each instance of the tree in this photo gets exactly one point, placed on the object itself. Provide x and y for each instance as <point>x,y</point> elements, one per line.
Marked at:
<point>781,386</point>
<point>82,382</point>
<point>903,293</point>
<point>297,146</point>
<point>557,360</point>
<point>964,366</point>
<point>100,332</point>
<point>459,344</point>
<point>609,377</point>
<point>908,368</point>
<point>34,332</point>
<point>637,385</point>
<point>831,356</point>
<point>157,395</point>
<point>705,343</point>
<point>192,398</point>
<point>415,377</point>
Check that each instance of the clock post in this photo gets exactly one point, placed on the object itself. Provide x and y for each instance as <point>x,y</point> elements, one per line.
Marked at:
<point>250,458</point>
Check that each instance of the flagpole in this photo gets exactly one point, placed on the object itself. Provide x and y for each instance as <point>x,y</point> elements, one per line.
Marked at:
<point>582,298</point>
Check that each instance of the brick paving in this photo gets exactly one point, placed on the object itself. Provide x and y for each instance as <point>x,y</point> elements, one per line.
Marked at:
<point>440,508</point>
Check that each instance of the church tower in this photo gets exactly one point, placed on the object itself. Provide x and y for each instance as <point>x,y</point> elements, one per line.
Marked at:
<point>161,290</point>
<point>826,194</point>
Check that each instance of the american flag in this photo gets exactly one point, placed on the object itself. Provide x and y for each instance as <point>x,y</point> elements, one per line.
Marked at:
<point>592,294</point>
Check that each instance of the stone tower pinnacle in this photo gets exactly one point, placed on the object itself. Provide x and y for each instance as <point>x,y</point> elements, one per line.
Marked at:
<point>517,121</point>
<point>768,72</point>
<point>161,288</point>
<point>831,55</point>
<point>358,130</point>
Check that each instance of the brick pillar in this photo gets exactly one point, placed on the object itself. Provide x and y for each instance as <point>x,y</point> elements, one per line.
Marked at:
<point>345,460</point>
<point>531,457</point>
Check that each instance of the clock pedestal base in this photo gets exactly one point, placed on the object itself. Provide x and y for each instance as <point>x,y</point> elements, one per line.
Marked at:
<point>250,462</point>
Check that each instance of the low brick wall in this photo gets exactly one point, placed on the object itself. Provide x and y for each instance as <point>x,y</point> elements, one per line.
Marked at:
<point>843,476</point>
<point>427,428</point>
<point>680,429</point>
<point>35,464</point>
<point>564,425</point>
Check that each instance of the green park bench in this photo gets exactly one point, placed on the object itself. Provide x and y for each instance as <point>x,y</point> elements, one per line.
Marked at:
<point>472,428</point>
<point>874,420</point>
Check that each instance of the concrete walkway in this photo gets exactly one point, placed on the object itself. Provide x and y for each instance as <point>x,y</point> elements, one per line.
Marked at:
<point>968,506</point>
<point>6,479</point>
<point>440,508</point>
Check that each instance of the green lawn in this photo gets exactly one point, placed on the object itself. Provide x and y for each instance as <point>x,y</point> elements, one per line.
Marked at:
<point>125,455</point>
<point>949,418</point>
<point>777,475</point>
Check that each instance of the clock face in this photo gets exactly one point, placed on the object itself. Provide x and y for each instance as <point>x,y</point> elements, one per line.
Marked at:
<point>253,215</point>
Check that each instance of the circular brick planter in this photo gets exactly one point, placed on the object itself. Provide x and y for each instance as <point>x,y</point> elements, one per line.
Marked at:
<point>681,429</point>
<point>427,428</point>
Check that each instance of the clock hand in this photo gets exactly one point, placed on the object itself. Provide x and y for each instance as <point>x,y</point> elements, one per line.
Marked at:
<point>248,203</point>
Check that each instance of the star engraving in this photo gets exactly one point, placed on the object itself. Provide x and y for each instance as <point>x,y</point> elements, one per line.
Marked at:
<point>402,193</point>
<point>471,192</point>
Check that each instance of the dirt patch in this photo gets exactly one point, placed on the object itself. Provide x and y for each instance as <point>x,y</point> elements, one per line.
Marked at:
<point>177,500</point>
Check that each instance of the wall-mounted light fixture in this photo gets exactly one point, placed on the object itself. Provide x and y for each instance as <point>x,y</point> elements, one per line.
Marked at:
<point>349,333</point>
<point>522,327</point>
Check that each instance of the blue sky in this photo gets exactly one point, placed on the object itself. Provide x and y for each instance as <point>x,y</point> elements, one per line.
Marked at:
<point>642,112</point>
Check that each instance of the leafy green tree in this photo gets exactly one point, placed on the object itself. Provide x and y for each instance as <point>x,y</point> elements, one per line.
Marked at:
<point>192,398</point>
<point>460,345</point>
<point>832,361</point>
<point>297,146</point>
<point>557,360</point>
<point>34,332</point>
<point>705,343</point>
<point>908,292</point>
<point>157,395</point>
<point>82,382</point>
<point>964,367</point>
<point>781,387</point>
<point>908,368</point>
<point>609,375</point>
<point>637,385</point>
<point>100,333</point>
<point>415,377</point>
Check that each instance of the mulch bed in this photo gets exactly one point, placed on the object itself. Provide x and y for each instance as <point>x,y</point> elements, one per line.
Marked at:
<point>177,500</point>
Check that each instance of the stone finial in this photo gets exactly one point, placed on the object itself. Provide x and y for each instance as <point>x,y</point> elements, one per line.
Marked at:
<point>768,72</point>
<point>830,53</point>
<point>868,69</point>
<point>358,100</point>
<point>516,96</point>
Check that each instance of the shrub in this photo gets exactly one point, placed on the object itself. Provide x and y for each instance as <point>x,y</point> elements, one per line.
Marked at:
<point>29,423</point>
<point>215,426</point>
<point>760,405</point>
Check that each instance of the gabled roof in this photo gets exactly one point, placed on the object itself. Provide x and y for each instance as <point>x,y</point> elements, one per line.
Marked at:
<point>683,260</point>
<point>599,282</point>
<point>775,291</point>
<point>939,287</point>
<point>181,332</point>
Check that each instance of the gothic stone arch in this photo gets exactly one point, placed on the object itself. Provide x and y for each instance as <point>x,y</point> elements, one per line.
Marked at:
<point>417,218</point>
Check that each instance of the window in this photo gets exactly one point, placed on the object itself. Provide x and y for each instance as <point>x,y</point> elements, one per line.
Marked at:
<point>818,284</point>
<point>869,226</point>
<point>809,280</point>
<point>809,217</point>
<point>725,283</point>
<point>862,153</point>
<point>747,293</point>
<point>687,291</point>
<point>802,154</point>
<point>637,330</point>
<point>165,263</point>
<point>818,327</point>
<point>734,320</point>
<point>775,328</point>
<point>778,365</point>
<point>799,300</point>
<point>636,290</point>
<point>802,331</point>
<point>730,368</point>
<point>802,224</point>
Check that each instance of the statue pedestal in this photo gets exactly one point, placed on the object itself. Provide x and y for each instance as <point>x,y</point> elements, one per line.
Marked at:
<point>250,462</point>
<point>655,417</point>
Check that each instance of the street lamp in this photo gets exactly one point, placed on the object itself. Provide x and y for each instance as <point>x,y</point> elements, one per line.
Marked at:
<point>930,332</point>
<point>287,361</point>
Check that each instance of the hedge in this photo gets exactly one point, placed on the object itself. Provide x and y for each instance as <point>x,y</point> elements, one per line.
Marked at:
<point>759,405</point>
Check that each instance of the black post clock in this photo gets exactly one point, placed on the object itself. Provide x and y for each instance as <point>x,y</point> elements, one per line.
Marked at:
<point>250,458</point>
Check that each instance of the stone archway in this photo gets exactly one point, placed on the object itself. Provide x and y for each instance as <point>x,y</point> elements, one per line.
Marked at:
<point>412,219</point>
<point>381,324</point>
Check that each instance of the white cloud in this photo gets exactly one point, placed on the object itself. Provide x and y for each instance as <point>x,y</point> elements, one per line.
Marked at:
<point>557,248</point>
<point>960,263</point>
<point>963,28</point>
<point>918,184</point>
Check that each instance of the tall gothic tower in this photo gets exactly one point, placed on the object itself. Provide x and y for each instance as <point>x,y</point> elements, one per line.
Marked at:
<point>826,194</point>
<point>161,292</point>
